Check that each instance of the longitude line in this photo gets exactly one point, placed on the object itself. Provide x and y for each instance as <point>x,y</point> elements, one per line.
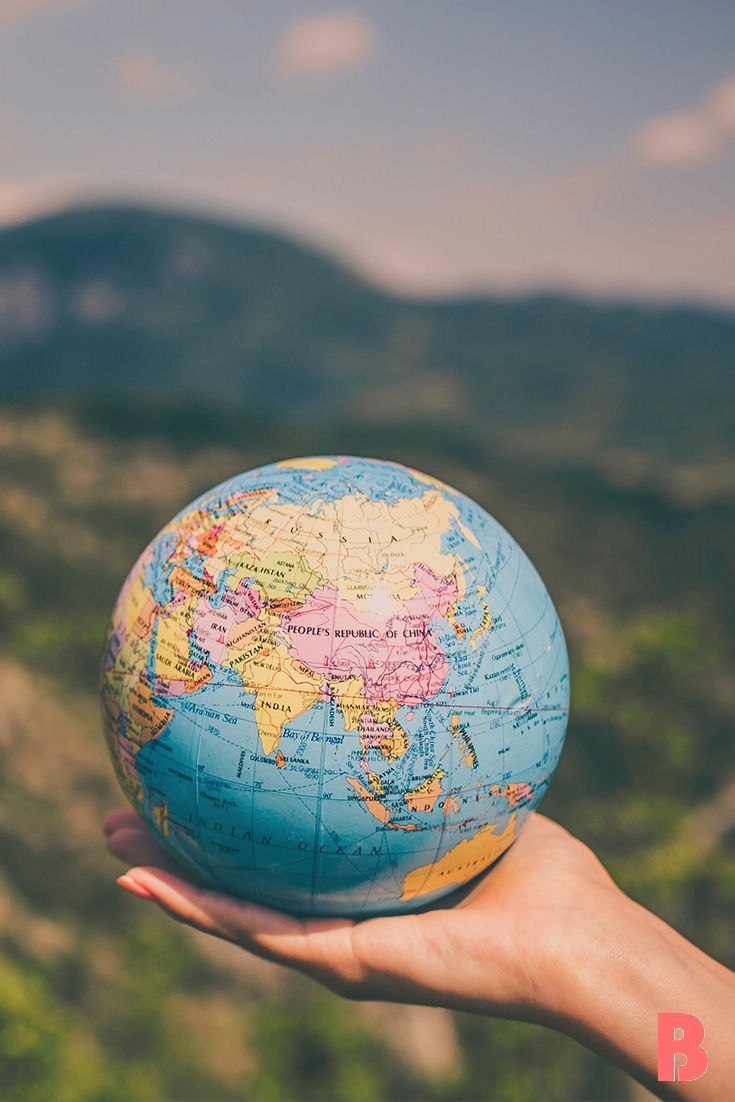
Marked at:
<point>322,754</point>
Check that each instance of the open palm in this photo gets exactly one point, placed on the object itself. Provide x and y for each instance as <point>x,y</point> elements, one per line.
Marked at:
<point>492,947</point>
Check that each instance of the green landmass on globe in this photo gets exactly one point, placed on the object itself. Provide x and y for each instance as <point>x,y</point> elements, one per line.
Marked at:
<point>335,686</point>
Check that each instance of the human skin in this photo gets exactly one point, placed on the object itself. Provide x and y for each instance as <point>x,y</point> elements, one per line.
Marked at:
<point>544,936</point>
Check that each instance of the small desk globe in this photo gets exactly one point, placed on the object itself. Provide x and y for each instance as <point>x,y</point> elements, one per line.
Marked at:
<point>335,686</point>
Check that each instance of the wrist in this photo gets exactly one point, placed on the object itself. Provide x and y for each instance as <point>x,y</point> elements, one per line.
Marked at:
<point>627,966</point>
<point>578,960</point>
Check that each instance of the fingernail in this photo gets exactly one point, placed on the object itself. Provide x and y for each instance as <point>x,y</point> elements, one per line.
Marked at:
<point>134,887</point>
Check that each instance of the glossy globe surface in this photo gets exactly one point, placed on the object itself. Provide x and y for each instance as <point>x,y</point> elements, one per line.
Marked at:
<point>335,686</point>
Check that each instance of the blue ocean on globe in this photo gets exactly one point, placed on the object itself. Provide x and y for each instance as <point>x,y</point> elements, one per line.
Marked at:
<point>335,686</point>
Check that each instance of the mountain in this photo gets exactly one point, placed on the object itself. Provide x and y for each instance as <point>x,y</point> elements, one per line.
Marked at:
<point>140,312</point>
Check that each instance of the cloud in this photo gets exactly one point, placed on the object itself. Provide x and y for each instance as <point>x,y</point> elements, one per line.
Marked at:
<point>14,11</point>
<point>689,137</point>
<point>324,44</point>
<point>143,77</point>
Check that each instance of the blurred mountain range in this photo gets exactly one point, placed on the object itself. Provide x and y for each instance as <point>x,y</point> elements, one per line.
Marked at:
<point>101,307</point>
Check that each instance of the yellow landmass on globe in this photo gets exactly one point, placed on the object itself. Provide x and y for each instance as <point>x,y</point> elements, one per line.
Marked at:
<point>443,489</point>
<point>185,582</point>
<point>139,609</point>
<point>424,795</point>
<point>375,806</point>
<point>132,620</point>
<point>310,463</point>
<point>430,480</point>
<point>411,530</point>
<point>487,620</point>
<point>469,758</point>
<point>394,742</point>
<point>146,719</point>
<point>377,724</point>
<point>349,693</point>
<point>461,863</point>
<point>353,543</point>
<point>161,817</point>
<point>284,689</point>
<point>459,629</point>
<point>170,661</point>
<point>278,575</point>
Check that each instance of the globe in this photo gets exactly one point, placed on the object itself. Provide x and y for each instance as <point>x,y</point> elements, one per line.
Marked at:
<point>335,686</point>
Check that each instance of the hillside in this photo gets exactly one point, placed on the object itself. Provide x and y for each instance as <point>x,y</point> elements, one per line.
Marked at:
<point>106,306</point>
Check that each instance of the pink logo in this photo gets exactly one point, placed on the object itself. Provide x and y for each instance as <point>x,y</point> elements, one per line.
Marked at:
<point>681,1057</point>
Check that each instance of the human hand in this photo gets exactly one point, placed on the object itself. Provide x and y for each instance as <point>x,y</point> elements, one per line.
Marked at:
<point>545,935</point>
<point>501,946</point>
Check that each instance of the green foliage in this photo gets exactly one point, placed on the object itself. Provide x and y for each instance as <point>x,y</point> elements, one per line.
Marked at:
<point>311,1049</point>
<point>70,647</point>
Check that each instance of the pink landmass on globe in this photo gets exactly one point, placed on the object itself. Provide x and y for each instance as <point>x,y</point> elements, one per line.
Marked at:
<point>395,655</point>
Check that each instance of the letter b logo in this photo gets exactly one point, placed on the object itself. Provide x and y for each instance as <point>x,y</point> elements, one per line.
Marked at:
<point>680,1035</point>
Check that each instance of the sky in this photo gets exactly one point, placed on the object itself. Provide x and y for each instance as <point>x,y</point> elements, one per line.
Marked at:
<point>439,148</point>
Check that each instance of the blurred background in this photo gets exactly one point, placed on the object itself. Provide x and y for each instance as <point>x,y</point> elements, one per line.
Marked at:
<point>495,241</point>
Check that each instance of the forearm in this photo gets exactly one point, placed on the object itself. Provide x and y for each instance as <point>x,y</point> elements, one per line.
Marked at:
<point>621,979</point>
